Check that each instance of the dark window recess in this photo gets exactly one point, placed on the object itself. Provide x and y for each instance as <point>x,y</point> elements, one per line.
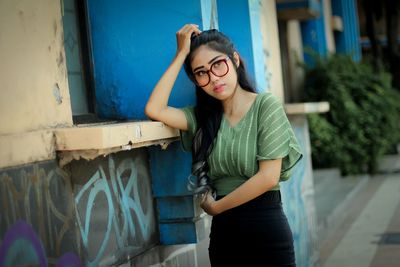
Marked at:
<point>79,62</point>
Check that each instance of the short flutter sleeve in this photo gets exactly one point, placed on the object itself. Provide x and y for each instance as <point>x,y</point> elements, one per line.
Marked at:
<point>276,138</point>
<point>187,136</point>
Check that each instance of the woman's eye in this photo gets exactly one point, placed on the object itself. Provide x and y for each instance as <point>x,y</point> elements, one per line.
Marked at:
<point>217,64</point>
<point>200,73</point>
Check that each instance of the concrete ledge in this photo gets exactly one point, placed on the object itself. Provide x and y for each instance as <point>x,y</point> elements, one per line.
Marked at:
<point>84,141</point>
<point>112,135</point>
<point>306,108</point>
<point>91,141</point>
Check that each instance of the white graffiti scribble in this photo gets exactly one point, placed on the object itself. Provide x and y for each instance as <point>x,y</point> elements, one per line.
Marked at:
<point>132,199</point>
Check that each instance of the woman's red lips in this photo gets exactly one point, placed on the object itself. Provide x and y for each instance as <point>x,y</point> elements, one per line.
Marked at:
<point>218,88</point>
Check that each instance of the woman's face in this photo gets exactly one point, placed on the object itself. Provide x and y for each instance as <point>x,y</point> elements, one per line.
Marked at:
<point>217,69</point>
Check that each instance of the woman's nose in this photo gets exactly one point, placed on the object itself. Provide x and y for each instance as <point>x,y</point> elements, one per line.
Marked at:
<point>213,77</point>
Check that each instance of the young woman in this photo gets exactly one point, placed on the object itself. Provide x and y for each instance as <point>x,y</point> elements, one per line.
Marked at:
<point>242,146</point>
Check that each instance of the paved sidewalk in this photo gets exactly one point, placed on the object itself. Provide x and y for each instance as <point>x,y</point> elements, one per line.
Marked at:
<point>368,231</point>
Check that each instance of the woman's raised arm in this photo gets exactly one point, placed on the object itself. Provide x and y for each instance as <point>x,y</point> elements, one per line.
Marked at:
<point>157,106</point>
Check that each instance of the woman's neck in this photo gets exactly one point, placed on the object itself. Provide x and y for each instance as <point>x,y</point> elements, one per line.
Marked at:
<point>234,104</point>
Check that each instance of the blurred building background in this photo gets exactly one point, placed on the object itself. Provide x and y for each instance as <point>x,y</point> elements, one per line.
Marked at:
<point>85,178</point>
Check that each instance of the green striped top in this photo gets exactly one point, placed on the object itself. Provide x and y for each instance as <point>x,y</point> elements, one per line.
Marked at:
<point>264,133</point>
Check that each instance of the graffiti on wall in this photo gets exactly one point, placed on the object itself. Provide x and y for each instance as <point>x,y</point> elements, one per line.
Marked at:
<point>40,195</point>
<point>22,247</point>
<point>101,213</point>
<point>114,212</point>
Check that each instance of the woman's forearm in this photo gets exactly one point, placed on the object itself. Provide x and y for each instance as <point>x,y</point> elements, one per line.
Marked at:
<point>252,188</point>
<point>264,180</point>
<point>159,97</point>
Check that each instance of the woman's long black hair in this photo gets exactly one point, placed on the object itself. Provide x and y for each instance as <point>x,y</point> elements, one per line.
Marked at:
<point>208,110</point>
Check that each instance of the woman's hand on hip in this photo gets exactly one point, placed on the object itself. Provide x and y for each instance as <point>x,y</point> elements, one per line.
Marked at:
<point>209,204</point>
<point>183,38</point>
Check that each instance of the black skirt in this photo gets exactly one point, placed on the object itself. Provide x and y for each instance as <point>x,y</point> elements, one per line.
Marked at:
<point>256,233</point>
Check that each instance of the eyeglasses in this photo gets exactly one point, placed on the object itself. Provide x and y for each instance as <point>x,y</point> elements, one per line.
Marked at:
<point>219,68</point>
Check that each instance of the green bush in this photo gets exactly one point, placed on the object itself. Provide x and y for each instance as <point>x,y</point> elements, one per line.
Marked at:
<point>325,142</point>
<point>364,118</point>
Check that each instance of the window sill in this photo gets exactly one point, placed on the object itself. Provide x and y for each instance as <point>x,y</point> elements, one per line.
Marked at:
<point>86,141</point>
<point>90,141</point>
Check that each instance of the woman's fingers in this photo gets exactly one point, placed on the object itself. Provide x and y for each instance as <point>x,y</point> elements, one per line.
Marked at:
<point>188,29</point>
<point>183,37</point>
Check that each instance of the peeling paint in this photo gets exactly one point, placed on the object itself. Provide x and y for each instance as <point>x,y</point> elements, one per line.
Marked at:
<point>60,59</point>
<point>57,94</point>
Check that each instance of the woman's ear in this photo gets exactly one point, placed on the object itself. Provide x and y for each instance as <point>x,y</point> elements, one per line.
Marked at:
<point>236,59</point>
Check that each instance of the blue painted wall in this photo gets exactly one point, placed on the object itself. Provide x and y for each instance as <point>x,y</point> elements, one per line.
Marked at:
<point>313,36</point>
<point>133,42</point>
<point>170,169</point>
<point>348,41</point>
<point>234,21</point>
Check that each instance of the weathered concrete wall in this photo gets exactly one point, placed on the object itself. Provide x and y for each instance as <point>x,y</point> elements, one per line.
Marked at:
<point>33,76</point>
<point>271,61</point>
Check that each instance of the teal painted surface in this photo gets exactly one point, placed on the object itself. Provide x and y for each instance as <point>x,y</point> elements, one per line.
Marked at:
<point>180,220</point>
<point>348,41</point>
<point>314,37</point>
<point>178,233</point>
<point>175,208</point>
<point>170,169</point>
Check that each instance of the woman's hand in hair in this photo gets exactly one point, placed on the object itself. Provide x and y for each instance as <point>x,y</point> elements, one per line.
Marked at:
<point>183,38</point>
